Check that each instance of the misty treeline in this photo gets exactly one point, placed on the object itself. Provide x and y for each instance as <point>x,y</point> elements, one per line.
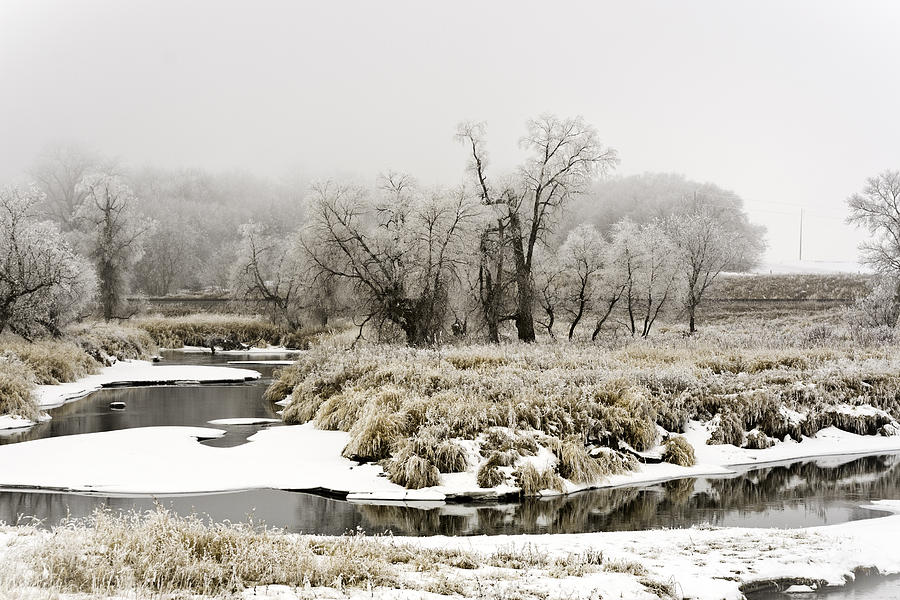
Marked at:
<point>554,246</point>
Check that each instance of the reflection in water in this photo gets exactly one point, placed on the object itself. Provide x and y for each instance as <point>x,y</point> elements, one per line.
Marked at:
<point>800,494</point>
<point>795,495</point>
<point>152,406</point>
<point>864,588</point>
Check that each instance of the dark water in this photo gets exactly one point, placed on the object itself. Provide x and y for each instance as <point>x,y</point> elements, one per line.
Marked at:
<point>191,405</point>
<point>799,494</point>
<point>865,588</point>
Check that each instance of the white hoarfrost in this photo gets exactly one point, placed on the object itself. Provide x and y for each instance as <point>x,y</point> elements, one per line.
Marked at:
<point>701,563</point>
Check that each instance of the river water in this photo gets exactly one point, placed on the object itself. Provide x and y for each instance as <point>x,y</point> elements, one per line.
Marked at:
<point>797,494</point>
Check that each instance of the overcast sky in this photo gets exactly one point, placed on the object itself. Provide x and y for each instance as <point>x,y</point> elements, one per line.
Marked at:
<point>789,104</point>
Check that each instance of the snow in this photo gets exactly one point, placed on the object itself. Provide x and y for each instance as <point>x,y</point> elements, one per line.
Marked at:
<point>243,421</point>
<point>170,460</point>
<point>10,422</point>
<point>138,372</point>
<point>710,563</point>
<point>703,563</point>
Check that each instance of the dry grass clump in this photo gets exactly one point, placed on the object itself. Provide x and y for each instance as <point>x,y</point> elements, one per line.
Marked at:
<point>206,329</point>
<point>104,340</point>
<point>412,471</point>
<point>625,566</point>
<point>531,481</point>
<point>16,386</point>
<point>729,430</point>
<point>160,555</point>
<point>498,439</point>
<point>50,361</point>
<point>373,435</point>
<point>506,398</point>
<point>614,463</point>
<point>574,463</point>
<point>679,451</point>
<point>24,364</point>
<point>489,474</point>
<point>757,440</point>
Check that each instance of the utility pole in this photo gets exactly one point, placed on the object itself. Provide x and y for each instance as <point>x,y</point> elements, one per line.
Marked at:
<point>801,233</point>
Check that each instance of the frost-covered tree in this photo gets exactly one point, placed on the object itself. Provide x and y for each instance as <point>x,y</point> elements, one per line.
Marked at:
<point>43,284</point>
<point>642,264</point>
<point>707,241</point>
<point>877,208</point>
<point>549,285</point>
<point>403,251</point>
<point>581,258</point>
<point>57,171</point>
<point>270,272</point>
<point>113,233</point>
<point>564,156</point>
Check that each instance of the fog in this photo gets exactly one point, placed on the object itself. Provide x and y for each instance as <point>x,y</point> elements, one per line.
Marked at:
<point>789,105</point>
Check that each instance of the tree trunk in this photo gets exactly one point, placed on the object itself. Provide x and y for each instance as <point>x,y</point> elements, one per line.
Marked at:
<point>691,326</point>
<point>576,320</point>
<point>524,286</point>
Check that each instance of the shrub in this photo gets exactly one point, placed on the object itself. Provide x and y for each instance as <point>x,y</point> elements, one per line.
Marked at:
<point>574,463</point>
<point>530,481</point>
<point>679,451</point>
<point>757,440</point>
<point>412,471</point>
<point>489,473</point>
<point>51,361</point>
<point>16,387</point>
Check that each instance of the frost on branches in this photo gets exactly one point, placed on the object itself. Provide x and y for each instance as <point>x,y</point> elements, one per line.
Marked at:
<point>43,283</point>
<point>113,234</point>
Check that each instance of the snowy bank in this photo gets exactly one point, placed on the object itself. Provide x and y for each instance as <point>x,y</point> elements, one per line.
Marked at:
<point>701,563</point>
<point>709,563</point>
<point>171,460</point>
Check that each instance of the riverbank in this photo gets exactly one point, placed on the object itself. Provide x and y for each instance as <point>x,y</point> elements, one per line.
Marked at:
<point>115,556</point>
<point>44,373</point>
<point>171,460</point>
<point>561,417</point>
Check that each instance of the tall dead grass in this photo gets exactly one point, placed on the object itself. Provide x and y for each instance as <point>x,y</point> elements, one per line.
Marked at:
<point>203,329</point>
<point>161,555</point>
<point>613,396</point>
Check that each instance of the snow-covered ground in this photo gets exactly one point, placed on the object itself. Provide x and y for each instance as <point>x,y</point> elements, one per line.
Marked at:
<point>171,460</point>
<point>124,373</point>
<point>702,563</point>
<point>712,563</point>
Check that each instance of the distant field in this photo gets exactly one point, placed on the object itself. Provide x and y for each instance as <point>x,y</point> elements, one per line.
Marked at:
<point>844,287</point>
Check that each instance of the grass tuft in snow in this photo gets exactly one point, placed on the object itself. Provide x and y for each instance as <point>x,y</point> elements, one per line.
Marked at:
<point>679,451</point>
<point>489,474</point>
<point>532,481</point>
<point>574,463</point>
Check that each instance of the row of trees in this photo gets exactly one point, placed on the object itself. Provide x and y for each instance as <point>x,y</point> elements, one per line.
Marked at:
<point>526,247</point>
<point>490,251</point>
